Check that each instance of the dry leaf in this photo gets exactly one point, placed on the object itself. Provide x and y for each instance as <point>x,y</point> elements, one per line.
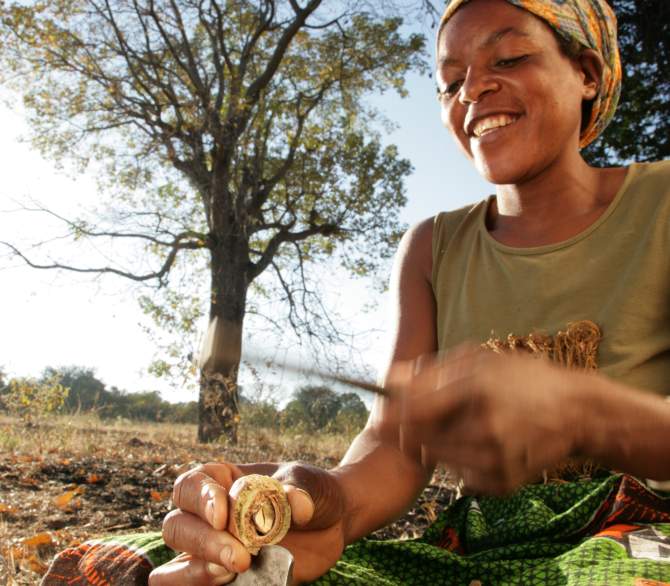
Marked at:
<point>159,496</point>
<point>93,479</point>
<point>15,553</point>
<point>37,540</point>
<point>7,509</point>
<point>35,565</point>
<point>29,482</point>
<point>26,458</point>
<point>63,501</point>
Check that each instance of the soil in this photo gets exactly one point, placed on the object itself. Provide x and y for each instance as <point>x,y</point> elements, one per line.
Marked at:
<point>52,500</point>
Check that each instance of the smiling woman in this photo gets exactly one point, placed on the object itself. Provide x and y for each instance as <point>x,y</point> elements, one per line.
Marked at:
<point>561,281</point>
<point>508,89</point>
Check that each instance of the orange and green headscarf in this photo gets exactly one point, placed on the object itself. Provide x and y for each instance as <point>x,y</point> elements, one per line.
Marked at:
<point>592,24</point>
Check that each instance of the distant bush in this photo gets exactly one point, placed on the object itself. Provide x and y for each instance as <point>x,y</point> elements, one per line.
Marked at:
<point>30,399</point>
<point>351,416</point>
<point>318,408</point>
<point>89,393</point>
<point>260,414</point>
<point>75,389</point>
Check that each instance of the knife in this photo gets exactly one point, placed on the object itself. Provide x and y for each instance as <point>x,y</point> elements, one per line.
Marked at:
<point>217,352</point>
<point>273,566</point>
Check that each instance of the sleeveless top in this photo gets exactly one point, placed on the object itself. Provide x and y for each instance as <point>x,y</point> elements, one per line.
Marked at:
<point>616,273</point>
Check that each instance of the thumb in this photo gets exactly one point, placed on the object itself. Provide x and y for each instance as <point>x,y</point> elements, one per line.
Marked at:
<point>315,497</point>
<point>301,503</point>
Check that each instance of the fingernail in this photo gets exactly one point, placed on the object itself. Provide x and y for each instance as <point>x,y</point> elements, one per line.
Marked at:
<point>215,570</point>
<point>209,511</point>
<point>301,491</point>
<point>226,556</point>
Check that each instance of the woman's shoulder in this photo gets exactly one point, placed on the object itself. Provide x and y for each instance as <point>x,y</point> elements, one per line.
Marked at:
<point>656,173</point>
<point>447,224</point>
<point>646,189</point>
<point>415,250</point>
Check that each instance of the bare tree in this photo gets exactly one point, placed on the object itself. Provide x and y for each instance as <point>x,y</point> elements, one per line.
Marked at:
<point>230,133</point>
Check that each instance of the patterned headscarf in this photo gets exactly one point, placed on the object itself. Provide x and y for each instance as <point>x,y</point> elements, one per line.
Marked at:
<point>592,24</point>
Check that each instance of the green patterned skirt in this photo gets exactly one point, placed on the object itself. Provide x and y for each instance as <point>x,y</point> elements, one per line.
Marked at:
<point>610,532</point>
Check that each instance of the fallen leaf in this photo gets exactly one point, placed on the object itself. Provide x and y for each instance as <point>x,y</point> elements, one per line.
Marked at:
<point>63,501</point>
<point>37,540</point>
<point>28,458</point>
<point>7,509</point>
<point>93,479</point>
<point>35,565</point>
<point>15,553</point>
<point>29,482</point>
<point>159,496</point>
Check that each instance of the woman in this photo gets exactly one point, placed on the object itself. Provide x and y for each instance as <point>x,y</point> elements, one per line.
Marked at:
<point>566,262</point>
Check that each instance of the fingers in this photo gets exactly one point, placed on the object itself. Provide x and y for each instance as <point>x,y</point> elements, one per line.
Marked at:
<point>432,387</point>
<point>316,499</point>
<point>301,503</point>
<point>203,492</point>
<point>184,569</point>
<point>445,390</point>
<point>186,532</point>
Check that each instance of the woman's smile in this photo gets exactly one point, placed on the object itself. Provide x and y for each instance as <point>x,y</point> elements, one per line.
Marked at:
<point>492,124</point>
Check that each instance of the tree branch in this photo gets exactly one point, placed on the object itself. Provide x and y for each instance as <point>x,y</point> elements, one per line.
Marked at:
<point>159,274</point>
<point>285,235</point>
<point>283,43</point>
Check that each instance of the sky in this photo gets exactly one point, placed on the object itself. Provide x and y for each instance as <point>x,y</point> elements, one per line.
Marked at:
<point>50,318</point>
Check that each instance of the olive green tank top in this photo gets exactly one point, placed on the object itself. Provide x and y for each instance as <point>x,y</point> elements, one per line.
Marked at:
<point>615,273</point>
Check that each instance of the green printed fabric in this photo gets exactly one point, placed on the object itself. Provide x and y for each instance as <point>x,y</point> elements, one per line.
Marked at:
<point>611,532</point>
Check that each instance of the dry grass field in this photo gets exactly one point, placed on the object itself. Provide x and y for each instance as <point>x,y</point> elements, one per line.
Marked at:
<point>67,479</point>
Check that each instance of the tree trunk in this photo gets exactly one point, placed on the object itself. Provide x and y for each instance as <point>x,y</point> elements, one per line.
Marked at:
<point>218,405</point>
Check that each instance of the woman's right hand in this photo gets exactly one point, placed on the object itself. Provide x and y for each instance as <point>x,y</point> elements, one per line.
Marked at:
<point>212,556</point>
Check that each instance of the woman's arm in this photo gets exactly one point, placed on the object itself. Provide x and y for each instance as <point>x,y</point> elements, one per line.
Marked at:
<point>500,420</point>
<point>624,428</point>
<point>380,482</point>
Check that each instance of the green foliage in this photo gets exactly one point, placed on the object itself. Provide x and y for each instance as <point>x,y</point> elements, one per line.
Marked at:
<point>31,400</point>
<point>351,416</point>
<point>260,414</point>
<point>76,390</point>
<point>640,129</point>
<point>318,408</point>
<point>84,392</point>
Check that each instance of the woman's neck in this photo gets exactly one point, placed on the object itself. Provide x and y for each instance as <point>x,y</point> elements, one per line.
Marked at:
<point>554,206</point>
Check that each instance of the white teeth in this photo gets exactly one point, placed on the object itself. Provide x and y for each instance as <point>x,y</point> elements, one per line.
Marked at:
<point>491,122</point>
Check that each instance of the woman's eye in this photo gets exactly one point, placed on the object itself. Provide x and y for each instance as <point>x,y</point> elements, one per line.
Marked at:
<point>511,61</point>
<point>451,89</point>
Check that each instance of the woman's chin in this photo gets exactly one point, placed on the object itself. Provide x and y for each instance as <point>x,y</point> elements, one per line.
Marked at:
<point>506,172</point>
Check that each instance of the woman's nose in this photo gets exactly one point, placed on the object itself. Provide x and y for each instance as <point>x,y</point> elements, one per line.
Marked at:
<point>476,85</point>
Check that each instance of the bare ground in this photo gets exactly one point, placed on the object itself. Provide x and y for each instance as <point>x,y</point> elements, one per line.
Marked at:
<point>69,480</point>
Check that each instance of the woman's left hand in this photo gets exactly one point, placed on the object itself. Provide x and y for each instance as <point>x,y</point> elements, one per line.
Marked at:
<point>497,420</point>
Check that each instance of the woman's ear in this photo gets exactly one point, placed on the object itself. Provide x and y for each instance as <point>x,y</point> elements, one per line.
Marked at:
<point>591,65</point>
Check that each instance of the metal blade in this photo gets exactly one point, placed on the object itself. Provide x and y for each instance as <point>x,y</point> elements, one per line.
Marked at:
<point>217,351</point>
<point>310,371</point>
<point>273,566</point>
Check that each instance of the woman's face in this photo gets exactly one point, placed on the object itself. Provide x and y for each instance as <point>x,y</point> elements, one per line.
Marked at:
<point>509,96</point>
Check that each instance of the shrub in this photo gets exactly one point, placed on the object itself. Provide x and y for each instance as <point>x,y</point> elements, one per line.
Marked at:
<point>321,408</point>
<point>260,415</point>
<point>30,399</point>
